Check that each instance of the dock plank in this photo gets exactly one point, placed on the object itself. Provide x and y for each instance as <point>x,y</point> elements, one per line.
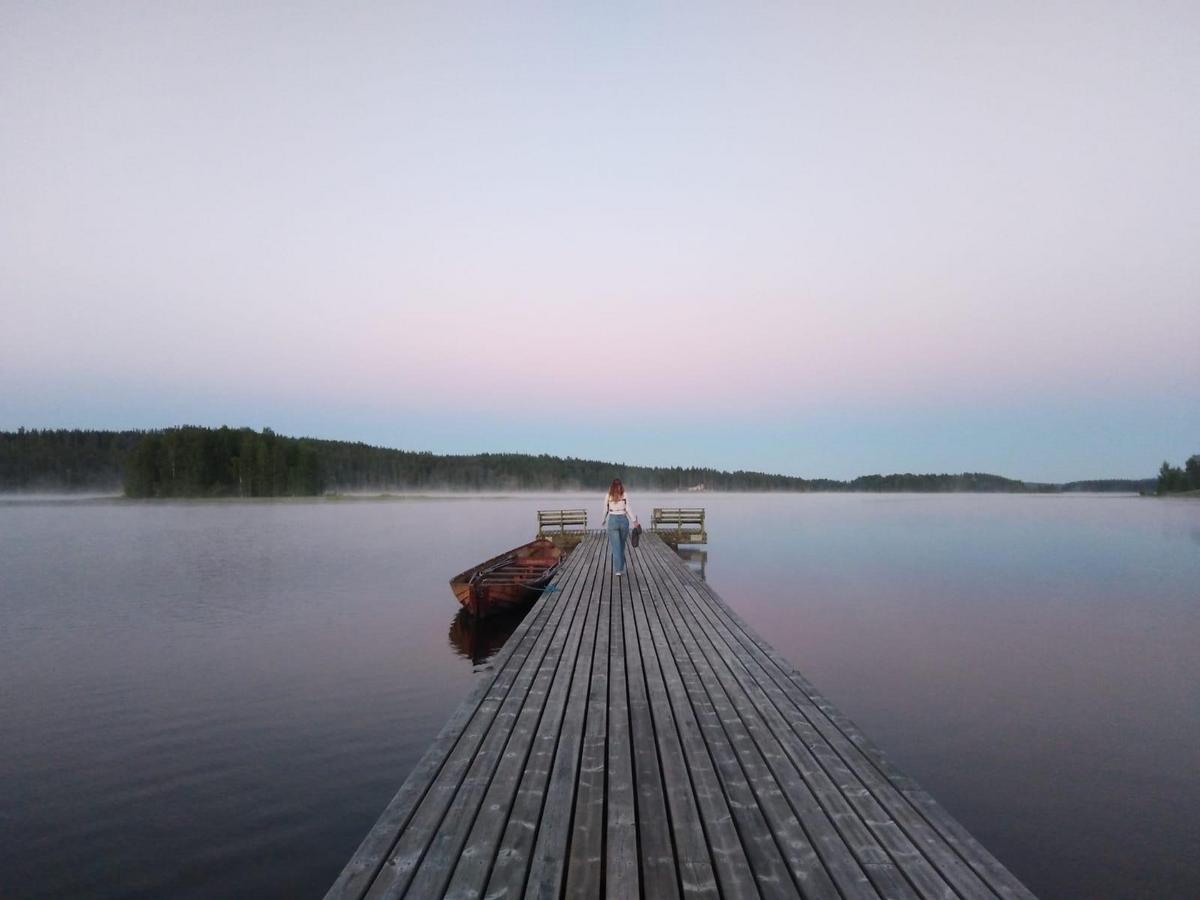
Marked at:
<point>621,877</point>
<point>476,858</point>
<point>728,852</point>
<point>846,798</point>
<point>656,849</point>
<point>961,859</point>
<point>356,878</point>
<point>435,828</point>
<point>754,792</point>
<point>636,738</point>
<point>693,857</point>
<point>850,852</point>
<point>585,866</point>
<point>838,856</point>
<point>510,868</point>
<point>547,869</point>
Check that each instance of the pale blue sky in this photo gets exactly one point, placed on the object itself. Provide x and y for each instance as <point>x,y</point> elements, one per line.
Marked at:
<point>818,239</point>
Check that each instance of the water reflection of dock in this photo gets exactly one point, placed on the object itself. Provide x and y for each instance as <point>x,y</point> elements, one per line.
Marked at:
<point>695,559</point>
<point>634,737</point>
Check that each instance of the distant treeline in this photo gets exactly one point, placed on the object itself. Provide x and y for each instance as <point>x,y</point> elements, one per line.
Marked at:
<point>240,462</point>
<point>80,461</point>
<point>1174,480</point>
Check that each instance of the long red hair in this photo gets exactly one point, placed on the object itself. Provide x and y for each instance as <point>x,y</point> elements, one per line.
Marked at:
<point>616,490</point>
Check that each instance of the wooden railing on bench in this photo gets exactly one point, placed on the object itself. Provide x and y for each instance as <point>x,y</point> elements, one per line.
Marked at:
<point>567,523</point>
<point>679,526</point>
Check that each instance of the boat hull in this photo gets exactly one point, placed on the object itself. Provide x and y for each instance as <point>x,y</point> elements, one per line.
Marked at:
<point>508,581</point>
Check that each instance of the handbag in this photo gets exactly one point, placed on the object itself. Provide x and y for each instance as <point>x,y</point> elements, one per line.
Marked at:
<point>635,535</point>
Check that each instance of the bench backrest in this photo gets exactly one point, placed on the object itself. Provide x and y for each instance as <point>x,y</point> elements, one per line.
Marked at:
<point>561,520</point>
<point>677,518</point>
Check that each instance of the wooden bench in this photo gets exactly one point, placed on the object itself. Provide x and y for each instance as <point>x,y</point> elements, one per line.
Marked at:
<point>566,527</point>
<point>679,526</point>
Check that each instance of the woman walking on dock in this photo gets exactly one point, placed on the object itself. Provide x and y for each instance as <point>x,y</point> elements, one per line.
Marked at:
<point>619,518</point>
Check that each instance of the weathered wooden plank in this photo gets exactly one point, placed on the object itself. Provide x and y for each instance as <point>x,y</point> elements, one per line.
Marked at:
<point>435,868</point>
<point>636,738</point>
<point>900,873</point>
<point>547,867</point>
<point>455,794</point>
<point>843,860</point>
<point>958,858</point>
<point>585,864</point>
<point>756,798</point>
<point>621,876</point>
<point>934,822</point>
<point>655,845</point>
<point>843,795</point>
<point>693,854</point>
<point>930,859</point>
<point>355,879</point>
<point>512,858</point>
<point>728,853</point>
<point>475,860</point>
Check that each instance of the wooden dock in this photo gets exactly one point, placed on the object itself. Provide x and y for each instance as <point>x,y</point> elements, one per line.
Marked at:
<point>635,738</point>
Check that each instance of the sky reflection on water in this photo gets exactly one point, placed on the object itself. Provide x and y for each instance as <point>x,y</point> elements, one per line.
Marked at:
<point>219,698</point>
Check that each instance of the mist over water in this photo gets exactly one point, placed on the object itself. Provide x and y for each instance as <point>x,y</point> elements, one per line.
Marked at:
<point>218,699</point>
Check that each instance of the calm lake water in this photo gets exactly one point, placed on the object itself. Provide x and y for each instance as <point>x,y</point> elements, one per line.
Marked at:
<point>218,699</point>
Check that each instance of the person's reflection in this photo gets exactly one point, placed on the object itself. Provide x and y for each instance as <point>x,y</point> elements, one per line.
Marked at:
<point>480,639</point>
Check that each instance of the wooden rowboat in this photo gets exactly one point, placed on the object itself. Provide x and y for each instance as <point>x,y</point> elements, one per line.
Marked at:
<point>509,580</point>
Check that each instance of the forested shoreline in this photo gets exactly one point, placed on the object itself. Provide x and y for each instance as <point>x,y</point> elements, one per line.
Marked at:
<point>191,461</point>
<point>1179,480</point>
<point>75,460</point>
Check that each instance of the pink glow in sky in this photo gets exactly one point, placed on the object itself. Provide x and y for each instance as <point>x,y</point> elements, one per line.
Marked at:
<point>810,240</point>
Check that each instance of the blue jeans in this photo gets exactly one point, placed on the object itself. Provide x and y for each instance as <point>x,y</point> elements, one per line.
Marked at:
<point>618,534</point>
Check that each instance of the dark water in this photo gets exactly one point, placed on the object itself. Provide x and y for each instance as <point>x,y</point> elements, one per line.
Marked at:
<point>217,700</point>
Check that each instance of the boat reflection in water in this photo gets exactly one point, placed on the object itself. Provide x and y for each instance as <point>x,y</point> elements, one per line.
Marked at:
<point>479,639</point>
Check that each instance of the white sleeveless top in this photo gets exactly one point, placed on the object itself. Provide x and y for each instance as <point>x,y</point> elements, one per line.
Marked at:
<point>618,508</point>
